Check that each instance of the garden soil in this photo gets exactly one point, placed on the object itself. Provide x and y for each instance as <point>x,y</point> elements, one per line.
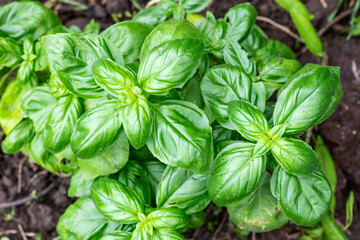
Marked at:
<point>19,178</point>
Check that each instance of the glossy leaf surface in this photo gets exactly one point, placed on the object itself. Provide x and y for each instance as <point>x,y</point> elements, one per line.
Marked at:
<point>18,137</point>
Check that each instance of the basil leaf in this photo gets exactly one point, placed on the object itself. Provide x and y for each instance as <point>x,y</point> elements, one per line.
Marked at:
<point>303,101</point>
<point>10,107</point>
<point>197,219</point>
<point>10,53</point>
<point>167,234</point>
<point>109,161</point>
<point>118,235</point>
<point>273,49</point>
<point>61,122</point>
<point>37,104</point>
<point>92,27</point>
<point>206,26</point>
<point>157,14</point>
<point>137,120</point>
<point>96,130</point>
<point>18,137</point>
<point>41,62</point>
<point>261,213</point>
<point>56,87</point>
<point>172,218</point>
<point>79,187</point>
<point>82,220</point>
<point>181,136</point>
<point>236,56</point>
<point>41,156</point>
<point>116,201</point>
<point>191,92</point>
<point>182,189</point>
<point>81,51</point>
<point>18,19</point>
<point>248,120</point>
<point>128,37</point>
<point>167,31</point>
<point>254,41</point>
<point>241,19</point>
<point>170,65</point>
<point>305,199</point>
<point>112,77</point>
<point>154,170</point>
<point>223,84</point>
<point>295,156</point>
<point>194,6</point>
<point>236,174</point>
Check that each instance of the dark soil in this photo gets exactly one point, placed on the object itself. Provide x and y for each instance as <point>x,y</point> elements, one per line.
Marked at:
<point>341,132</point>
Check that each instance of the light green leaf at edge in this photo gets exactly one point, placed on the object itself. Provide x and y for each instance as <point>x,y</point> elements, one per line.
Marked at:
<point>79,187</point>
<point>261,212</point>
<point>236,174</point>
<point>110,161</point>
<point>305,199</point>
<point>116,201</point>
<point>82,220</point>
<point>182,189</point>
<point>182,136</point>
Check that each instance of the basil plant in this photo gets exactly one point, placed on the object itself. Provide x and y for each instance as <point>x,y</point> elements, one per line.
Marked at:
<point>154,120</point>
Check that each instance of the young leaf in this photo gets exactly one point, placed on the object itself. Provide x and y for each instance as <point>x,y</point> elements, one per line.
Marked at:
<point>236,174</point>
<point>172,218</point>
<point>241,19</point>
<point>295,156</point>
<point>236,56</point>
<point>20,18</point>
<point>248,120</point>
<point>137,120</point>
<point>81,51</point>
<point>305,199</point>
<point>116,201</point>
<point>10,53</point>
<point>170,65</point>
<point>128,37</point>
<point>18,137</point>
<point>167,31</point>
<point>60,123</point>
<point>261,213</point>
<point>82,220</point>
<point>255,40</point>
<point>109,161</point>
<point>37,104</point>
<point>182,189</point>
<point>181,136</point>
<point>273,49</point>
<point>349,210</point>
<point>112,77</point>
<point>92,27</point>
<point>223,84</point>
<point>306,97</point>
<point>79,187</point>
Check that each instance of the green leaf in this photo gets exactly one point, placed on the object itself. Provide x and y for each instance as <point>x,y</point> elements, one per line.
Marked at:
<point>223,84</point>
<point>255,40</point>
<point>109,161</point>
<point>118,235</point>
<point>167,234</point>
<point>82,220</point>
<point>41,156</point>
<point>56,87</point>
<point>261,213</point>
<point>248,120</point>
<point>241,19</point>
<point>41,62</point>
<point>273,49</point>
<point>79,187</point>
<point>305,199</point>
<point>37,104</point>
<point>167,31</point>
<point>181,136</point>
<point>301,18</point>
<point>20,18</point>
<point>206,26</point>
<point>96,130</point>
<point>81,51</point>
<point>18,137</point>
<point>304,100</point>
<point>172,218</point>
<point>10,53</point>
<point>137,120</point>
<point>92,27</point>
<point>194,6</point>
<point>349,210</point>
<point>170,65</point>
<point>60,123</point>
<point>154,171</point>
<point>10,108</point>
<point>331,229</point>
<point>112,77</point>
<point>236,174</point>
<point>191,91</point>
<point>157,14</point>
<point>128,37</point>
<point>295,156</point>
<point>236,56</point>
<point>116,201</point>
<point>182,189</point>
